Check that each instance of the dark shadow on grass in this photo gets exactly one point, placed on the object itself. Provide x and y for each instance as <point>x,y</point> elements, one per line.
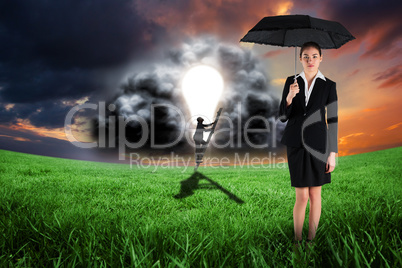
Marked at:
<point>191,184</point>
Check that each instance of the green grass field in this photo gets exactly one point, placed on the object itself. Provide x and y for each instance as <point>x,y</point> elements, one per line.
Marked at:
<point>63,213</point>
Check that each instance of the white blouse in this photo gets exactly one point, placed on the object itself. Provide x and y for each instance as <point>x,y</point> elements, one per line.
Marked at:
<point>308,92</point>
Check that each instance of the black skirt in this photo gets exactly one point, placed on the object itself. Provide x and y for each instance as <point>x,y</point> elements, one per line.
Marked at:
<point>306,170</point>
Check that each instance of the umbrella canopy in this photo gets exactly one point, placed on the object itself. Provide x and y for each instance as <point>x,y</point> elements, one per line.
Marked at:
<point>295,30</point>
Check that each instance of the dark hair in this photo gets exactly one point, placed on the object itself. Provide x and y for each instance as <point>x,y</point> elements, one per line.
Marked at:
<point>310,44</point>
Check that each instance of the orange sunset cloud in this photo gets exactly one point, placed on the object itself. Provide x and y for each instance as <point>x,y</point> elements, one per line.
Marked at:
<point>80,130</point>
<point>18,138</point>
<point>394,126</point>
<point>370,129</point>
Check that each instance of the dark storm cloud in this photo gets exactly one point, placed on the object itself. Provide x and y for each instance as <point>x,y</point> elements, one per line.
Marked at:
<point>53,50</point>
<point>7,115</point>
<point>35,82</point>
<point>246,92</point>
<point>248,97</point>
<point>74,33</point>
<point>48,114</point>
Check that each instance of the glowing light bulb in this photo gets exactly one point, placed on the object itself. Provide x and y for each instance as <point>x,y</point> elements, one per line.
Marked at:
<point>202,88</point>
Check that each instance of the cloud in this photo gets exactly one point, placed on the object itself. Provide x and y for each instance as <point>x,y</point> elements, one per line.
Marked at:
<point>274,53</point>
<point>366,130</point>
<point>245,85</point>
<point>375,24</point>
<point>7,115</point>
<point>393,126</point>
<point>31,83</point>
<point>377,109</point>
<point>55,51</point>
<point>73,34</point>
<point>228,19</point>
<point>363,142</point>
<point>352,74</point>
<point>28,141</point>
<point>17,138</point>
<point>50,114</point>
<point>47,114</point>
<point>355,143</point>
<point>391,77</point>
<point>346,139</point>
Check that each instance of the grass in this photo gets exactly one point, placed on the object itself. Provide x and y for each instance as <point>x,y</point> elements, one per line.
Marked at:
<point>67,213</point>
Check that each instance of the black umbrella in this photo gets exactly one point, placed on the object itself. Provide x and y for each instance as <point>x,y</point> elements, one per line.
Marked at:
<point>295,30</point>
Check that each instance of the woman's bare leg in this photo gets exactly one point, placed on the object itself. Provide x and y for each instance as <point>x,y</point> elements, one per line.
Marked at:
<point>299,210</point>
<point>315,211</point>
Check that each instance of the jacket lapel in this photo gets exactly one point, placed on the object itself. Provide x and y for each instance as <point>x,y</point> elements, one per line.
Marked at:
<point>317,90</point>
<point>301,95</point>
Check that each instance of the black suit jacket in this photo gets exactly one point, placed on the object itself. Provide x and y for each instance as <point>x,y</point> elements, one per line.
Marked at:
<point>320,127</point>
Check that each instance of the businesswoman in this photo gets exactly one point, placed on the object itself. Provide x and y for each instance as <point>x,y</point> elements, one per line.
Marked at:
<point>309,105</point>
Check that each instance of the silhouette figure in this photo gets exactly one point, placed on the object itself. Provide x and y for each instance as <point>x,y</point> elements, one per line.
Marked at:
<point>199,139</point>
<point>191,184</point>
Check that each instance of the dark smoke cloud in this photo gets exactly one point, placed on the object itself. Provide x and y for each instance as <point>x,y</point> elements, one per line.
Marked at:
<point>246,92</point>
<point>248,95</point>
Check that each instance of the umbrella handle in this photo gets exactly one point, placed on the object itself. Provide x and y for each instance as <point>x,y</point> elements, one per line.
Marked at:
<point>295,60</point>
<point>296,75</point>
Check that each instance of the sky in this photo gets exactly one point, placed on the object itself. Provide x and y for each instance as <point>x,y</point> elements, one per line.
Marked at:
<point>55,55</point>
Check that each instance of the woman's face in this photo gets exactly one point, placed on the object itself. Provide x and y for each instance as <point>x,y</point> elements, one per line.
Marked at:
<point>310,60</point>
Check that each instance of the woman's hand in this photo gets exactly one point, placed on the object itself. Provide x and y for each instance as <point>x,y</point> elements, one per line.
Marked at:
<point>293,90</point>
<point>330,166</point>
